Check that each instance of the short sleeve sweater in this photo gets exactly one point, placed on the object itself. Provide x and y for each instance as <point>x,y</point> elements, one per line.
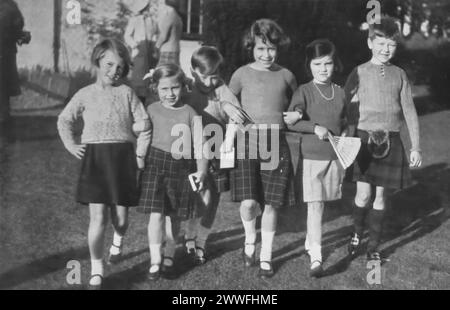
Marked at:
<point>318,110</point>
<point>170,127</point>
<point>264,95</point>
<point>110,116</point>
<point>385,99</point>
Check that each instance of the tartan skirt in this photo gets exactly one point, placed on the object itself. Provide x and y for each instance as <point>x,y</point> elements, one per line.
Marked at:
<point>268,187</point>
<point>389,172</point>
<point>165,187</point>
<point>108,175</point>
<point>219,177</point>
<point>169,58</point>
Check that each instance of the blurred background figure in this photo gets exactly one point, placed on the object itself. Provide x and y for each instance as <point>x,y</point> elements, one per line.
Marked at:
<point>140,36</point>
<point>170,26</point>
<point>11,34</point>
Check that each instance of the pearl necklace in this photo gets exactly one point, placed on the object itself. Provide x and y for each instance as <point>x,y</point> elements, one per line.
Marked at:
<point>323,96</point>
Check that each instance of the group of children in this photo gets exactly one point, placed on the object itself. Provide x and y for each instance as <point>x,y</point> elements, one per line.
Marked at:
<point>371,106</point>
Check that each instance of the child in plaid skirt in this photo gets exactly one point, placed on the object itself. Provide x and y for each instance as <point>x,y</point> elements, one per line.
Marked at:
<point>217,105</point>
<point>168,164</point>
<point>385,99</point>
<point>264,88</point>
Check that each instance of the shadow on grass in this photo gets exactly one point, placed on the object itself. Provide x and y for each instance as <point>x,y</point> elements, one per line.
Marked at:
<point>412,214</point>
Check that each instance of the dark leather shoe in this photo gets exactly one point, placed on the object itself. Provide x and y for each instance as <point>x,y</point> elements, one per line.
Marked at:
<point>153,276</point>
<point>96,287</point>
<point>168,272</point>
<point>354,245</point>
<point>114,258</point>
<point>374,256</point>
<point>266,273</point>
<point>249,261</point>
<point>200,259</point>
<point>317,271</point>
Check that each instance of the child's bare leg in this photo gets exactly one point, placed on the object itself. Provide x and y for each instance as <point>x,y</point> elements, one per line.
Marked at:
<point>268,229</point>
<point>376,216</point>
<point>193,225</point>
<point>248,215</point>
<point>314,230</point>
<point>96,237</point>
<point>155,236</point>
<point>119,219</point>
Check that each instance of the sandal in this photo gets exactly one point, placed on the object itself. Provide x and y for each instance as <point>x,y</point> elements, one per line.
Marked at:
<point>153,276</point>
<point>95,287</point>
<point>316,272</point>
<point>249,261</point>
<point>266,273</point>
<point>168,272</point>
<point>114,258</point>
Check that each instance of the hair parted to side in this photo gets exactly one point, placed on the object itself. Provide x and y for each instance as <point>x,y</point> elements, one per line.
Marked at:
<point>115,46</point>
<point>207,59</point>
<point>168,71</point>
<point>321,48</point>
<point>388,27</point>
<point>269,31</point>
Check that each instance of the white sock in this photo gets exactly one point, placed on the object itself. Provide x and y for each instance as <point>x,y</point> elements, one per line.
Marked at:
<point>96,268</point>
<point>266,248</point>
<point>250,236</point>
<point>202,236</point>
<point>116,246</point>
<point>315,253</point>
<point>169,251</point>
<point>155,254</point>
<point>307,246</point>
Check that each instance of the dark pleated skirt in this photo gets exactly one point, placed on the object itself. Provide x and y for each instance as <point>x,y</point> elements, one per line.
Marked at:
<point>389,172</point>
<point>108,175</point>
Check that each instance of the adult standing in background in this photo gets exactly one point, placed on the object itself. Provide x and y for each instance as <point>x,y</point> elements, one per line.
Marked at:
<point>11,33</point>
<point>170,27</point>
<point>140,36</point>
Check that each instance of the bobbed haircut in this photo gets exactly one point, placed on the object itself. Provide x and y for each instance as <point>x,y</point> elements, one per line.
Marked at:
<point>207,59</point>
<point>116,47</point>
<point>168,71</point>
<point>321,48</point>
<point>269,31</point>
<point>387,28</point>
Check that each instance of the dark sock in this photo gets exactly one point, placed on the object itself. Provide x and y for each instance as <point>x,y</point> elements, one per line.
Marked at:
<point>359,217</point>
<point>375,225</point>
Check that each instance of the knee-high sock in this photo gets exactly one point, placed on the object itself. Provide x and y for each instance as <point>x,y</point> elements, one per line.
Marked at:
<point>375,226</point>
<point>359,217</point>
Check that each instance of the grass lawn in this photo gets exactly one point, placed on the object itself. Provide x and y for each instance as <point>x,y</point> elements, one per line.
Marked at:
<point>42,228</point>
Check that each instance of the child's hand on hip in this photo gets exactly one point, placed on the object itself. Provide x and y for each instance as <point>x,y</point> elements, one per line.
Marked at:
<point>77,150</point>
<point>415,159</point>
<point>321,132</point>
<point>291,118</point>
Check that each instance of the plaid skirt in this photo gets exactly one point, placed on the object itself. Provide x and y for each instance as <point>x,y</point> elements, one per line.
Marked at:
<point>169,58</point>
<point>165,186</point>
<point>389,172</point>
<point>219,177</point>
<point>268,187</point>
<point>108,175</point>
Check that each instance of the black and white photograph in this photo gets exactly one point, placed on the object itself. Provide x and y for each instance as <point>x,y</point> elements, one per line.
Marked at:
<point>247,147</point>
